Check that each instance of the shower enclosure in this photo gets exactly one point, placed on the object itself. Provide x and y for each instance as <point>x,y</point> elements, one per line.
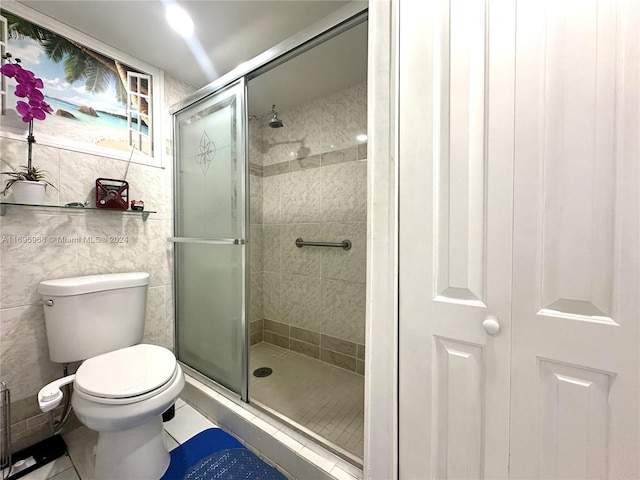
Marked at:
<point>270,234</point>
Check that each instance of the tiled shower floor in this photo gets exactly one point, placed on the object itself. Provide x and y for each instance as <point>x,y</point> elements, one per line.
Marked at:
<point>325,399</point>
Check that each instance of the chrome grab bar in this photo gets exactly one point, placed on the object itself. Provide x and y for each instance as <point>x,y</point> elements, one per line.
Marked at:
<point>345,244</point>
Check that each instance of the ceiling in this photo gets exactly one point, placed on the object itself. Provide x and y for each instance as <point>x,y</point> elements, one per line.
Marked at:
<point>230,33</point>
<point>334,65</point>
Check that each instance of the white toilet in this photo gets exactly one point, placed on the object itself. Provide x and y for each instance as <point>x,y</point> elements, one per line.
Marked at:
<point>122,388</point>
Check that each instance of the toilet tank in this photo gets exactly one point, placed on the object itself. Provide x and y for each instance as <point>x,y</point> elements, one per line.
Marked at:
<point>95,314</point>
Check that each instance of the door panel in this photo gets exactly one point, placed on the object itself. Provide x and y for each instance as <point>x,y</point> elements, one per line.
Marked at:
<point>456,106</point>
<point>458,384</point>
<point>460,151</point>
<point>209,309</point>
<point>210,179</point>
<point>210,237</point>
<point>573,419</point>
<point>576,315</point>
<point>577,143</point>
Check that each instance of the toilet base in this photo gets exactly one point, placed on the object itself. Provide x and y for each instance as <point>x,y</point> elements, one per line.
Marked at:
<point>138,453</point>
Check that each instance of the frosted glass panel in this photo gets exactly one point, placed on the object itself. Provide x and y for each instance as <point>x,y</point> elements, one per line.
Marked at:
<point>209,237</point>
<point>209,179</point>
<point>210,330</point>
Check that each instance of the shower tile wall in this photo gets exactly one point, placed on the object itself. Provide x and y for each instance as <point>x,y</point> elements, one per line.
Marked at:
<point>24,361</point>
<point>310,178</point>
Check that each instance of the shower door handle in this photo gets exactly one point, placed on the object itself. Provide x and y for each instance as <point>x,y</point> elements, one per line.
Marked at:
<point>210,241</point>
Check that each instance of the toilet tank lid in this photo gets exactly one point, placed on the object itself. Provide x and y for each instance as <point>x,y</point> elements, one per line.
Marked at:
<point>92,283</point>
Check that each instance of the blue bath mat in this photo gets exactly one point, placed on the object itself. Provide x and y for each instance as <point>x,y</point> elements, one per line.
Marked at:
<point>195,449</point>
<point>214,454</point>
<point>232,464</point>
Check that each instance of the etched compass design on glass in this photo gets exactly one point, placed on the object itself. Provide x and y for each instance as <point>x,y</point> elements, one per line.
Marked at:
<point>205,152</point>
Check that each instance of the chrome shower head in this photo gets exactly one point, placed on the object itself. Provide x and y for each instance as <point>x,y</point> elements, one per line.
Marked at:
<point>275,122</point>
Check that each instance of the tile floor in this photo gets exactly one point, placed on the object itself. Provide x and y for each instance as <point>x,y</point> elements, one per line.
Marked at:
<point>78,464</point>
<point>325,399</point>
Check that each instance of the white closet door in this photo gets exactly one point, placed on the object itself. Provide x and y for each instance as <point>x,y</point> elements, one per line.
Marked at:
<point>456,153</point>
<point>576,311</point>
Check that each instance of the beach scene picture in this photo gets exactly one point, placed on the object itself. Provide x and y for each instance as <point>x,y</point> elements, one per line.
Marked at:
<point>86,89</point>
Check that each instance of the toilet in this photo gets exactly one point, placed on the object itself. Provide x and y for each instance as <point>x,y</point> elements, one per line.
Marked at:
<point>122,387</point>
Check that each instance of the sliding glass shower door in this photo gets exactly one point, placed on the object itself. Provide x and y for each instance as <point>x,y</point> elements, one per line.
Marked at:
<point>210,237</point>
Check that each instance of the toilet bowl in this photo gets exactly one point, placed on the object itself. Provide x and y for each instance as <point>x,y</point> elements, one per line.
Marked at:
<point>120,390</point>
<point>122,395</point>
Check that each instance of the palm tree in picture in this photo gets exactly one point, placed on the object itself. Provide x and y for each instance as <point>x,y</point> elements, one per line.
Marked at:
<point>80,62</point>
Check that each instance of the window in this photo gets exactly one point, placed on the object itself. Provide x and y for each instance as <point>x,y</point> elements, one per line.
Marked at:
<point>139,111</point>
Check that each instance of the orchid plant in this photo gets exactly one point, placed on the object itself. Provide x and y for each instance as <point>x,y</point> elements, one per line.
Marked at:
<point>34,108</point>
<point>28,87</point>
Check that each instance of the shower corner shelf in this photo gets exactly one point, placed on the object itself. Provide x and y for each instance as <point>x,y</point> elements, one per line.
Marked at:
<point>142,213</point>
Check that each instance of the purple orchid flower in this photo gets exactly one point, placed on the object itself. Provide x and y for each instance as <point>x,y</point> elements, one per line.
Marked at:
<point>28,87</point>
<point>9,69</point>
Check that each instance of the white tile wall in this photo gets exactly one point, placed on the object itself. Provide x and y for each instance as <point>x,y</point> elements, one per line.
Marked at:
<point>323,203</point>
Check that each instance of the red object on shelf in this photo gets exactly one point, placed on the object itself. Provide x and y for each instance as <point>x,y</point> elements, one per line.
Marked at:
<point>112,193</point>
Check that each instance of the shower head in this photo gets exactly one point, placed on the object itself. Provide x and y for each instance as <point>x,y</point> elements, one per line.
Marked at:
<point>275,122</point>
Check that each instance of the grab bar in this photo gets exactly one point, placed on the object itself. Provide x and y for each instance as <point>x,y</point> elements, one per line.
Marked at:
<point>345,244</point>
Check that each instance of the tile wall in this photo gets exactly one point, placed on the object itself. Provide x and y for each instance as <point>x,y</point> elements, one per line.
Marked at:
<point>308,180</point>
<point>24,361</point>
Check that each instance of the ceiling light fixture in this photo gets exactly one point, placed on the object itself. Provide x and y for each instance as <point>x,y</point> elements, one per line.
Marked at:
<point>181,22</point>
<point>361,138</point>
<point>178,19</point>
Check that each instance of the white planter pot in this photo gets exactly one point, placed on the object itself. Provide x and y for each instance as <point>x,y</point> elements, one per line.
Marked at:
<point>32,193</point>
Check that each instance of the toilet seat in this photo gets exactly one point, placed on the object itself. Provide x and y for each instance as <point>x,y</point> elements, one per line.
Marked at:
<point>127,375</point>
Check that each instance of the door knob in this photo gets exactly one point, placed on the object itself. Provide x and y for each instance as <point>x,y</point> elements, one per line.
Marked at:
<point>491,325</point>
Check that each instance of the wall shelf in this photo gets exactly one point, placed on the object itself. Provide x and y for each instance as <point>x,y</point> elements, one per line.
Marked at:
<point>142,213</point>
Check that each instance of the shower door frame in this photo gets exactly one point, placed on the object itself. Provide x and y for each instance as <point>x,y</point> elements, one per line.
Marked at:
<point>330,26</point>
<point>241,242</point>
